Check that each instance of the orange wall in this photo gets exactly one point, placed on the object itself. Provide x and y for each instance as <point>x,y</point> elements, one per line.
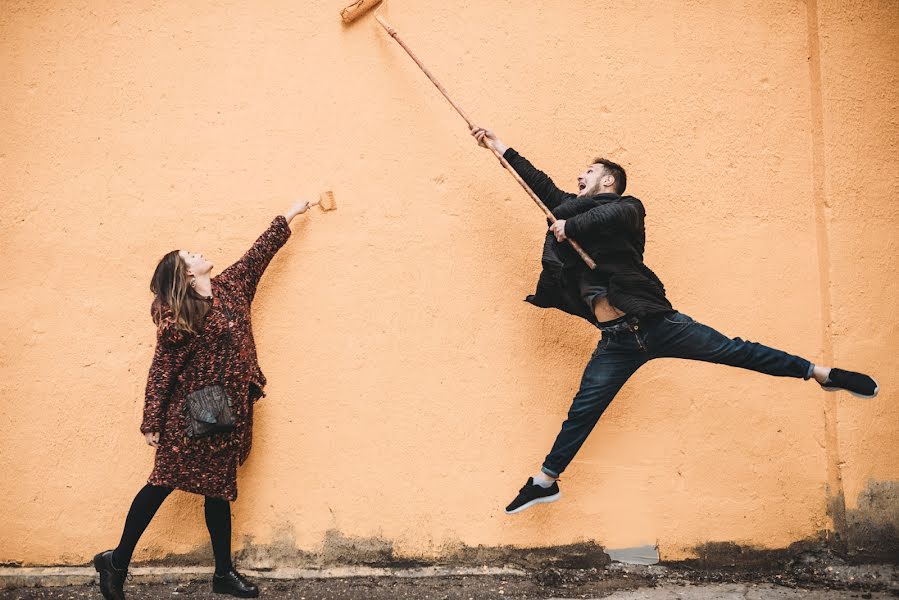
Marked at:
<point>761,137</point>
<point>859,144</point>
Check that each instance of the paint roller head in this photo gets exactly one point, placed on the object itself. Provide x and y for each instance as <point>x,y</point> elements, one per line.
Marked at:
<point>326,201</point>
<point>357,9</point>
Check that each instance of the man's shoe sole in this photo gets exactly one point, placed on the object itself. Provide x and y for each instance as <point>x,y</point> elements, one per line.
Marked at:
<point>543,500</point>
<point>857,395</point>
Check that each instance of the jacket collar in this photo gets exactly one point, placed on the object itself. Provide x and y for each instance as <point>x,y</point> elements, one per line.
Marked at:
<point>597,199</point>
<point>605,197</point>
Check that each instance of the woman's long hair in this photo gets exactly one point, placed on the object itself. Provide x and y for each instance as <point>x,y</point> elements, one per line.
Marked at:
<point>172,292</point>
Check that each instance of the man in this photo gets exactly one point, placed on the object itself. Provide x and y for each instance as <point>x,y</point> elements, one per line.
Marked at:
<point>626,301</point>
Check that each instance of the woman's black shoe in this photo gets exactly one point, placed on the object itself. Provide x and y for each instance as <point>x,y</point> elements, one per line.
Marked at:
<point>235,584</point>
<point>111,579</point>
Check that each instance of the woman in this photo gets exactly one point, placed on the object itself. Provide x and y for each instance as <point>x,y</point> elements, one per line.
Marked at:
<point>204,340</point>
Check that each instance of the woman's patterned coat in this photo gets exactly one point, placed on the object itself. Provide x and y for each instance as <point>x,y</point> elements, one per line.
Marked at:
<point>223,352</point>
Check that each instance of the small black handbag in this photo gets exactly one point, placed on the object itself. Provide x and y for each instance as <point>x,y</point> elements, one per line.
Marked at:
<point>208,412</point>
<point>209,408</point>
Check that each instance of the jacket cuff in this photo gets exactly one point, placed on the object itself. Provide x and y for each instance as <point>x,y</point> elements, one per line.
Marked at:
<point>280,223</point>
<point>279,230</point>
<point>150,426</point>
<point>510,153</point>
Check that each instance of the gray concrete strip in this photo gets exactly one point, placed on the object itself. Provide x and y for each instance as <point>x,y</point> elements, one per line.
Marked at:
<point>734,591</point>
<point>18,577</point>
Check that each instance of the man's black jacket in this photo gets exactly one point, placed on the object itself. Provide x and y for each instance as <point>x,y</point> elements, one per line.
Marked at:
<point>610,229</point>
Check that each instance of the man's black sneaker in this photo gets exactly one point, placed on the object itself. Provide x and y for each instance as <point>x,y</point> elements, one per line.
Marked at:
<point>235,584</point>
<point>857,384</point>
<point>112,579</point>
<point>532,494</point>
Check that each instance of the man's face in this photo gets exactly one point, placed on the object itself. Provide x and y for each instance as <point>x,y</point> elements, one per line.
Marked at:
<point>591,181</point>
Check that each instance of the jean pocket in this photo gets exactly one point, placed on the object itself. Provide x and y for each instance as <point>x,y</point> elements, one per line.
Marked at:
<point>679,318</point>
<point>603,343</point>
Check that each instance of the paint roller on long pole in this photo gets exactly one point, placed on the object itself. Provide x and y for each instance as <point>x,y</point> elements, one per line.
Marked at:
<point>361,7</point>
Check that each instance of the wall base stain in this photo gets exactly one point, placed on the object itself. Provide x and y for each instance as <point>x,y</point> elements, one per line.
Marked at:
<point>872,529</point>
<point>723,555</point>
<point>201,555</point>
<point>872,536</point>
<point>338,549</point>
<point>582,555</point>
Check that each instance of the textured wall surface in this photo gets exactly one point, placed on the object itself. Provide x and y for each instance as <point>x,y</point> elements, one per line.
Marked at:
<point>411,390</point>
<point>859,96</point>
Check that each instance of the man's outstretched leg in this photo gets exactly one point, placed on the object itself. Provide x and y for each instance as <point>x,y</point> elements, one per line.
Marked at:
<point>617,357</point>
<point>679,336</point>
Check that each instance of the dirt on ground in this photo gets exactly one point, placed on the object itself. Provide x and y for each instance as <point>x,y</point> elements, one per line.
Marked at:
<point>853,581</point>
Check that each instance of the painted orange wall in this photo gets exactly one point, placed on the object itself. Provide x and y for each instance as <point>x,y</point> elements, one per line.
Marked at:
<point>761,137</point>
<point>858,148</point>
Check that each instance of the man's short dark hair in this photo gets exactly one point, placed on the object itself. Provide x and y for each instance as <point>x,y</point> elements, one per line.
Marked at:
<point>616,171</point>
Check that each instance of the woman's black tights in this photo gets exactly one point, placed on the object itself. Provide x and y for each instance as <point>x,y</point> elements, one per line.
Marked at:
<point>145,505</point>
<point>218,522</point>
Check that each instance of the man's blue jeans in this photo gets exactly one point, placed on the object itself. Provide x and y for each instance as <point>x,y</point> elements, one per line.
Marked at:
<point>631,343</point>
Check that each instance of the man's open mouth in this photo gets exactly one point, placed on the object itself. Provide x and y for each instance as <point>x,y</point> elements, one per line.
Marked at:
<point>581,186</point>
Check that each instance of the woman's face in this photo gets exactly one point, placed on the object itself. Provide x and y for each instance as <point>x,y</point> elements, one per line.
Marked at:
<point>197,265</point>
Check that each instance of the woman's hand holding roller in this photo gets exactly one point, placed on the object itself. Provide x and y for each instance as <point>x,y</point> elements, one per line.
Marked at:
<point>297,209</point>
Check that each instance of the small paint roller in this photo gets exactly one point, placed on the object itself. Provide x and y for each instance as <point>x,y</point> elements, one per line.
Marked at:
<point>325,201</point>
<point>357,9</point>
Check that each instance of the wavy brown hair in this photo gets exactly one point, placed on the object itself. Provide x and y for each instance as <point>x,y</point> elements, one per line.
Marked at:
<point>172,292</point>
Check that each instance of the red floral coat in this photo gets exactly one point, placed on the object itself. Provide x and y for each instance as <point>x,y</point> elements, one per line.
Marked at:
<point>222,353</point>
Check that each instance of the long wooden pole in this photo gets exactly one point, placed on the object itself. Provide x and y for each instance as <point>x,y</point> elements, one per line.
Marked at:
<point>549,215</point>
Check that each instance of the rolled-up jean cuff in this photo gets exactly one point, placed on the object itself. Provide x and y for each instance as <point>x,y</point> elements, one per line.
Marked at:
<point>549,472</point>
<point>811,371</point>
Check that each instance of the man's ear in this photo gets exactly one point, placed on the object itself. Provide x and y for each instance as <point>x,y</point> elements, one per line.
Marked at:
<point>607,180</point>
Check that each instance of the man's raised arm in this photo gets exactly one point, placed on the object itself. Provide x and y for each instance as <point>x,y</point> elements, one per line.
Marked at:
<point>536,179</point>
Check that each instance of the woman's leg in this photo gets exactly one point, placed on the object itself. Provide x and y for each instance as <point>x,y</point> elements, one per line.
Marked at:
<point>145,504</point>
<point>218,522</point>
<point>226,579</point>
<point>112,565</point>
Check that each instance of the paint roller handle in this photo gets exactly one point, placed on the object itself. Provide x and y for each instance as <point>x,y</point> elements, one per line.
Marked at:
<point>392,32</point>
